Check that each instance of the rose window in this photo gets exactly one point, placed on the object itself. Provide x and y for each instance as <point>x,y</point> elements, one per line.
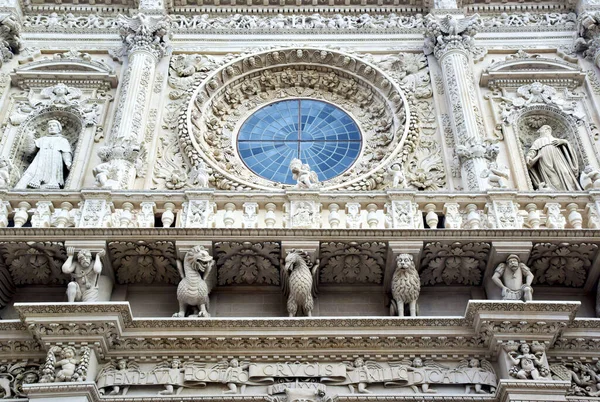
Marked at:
<point>318,133</point>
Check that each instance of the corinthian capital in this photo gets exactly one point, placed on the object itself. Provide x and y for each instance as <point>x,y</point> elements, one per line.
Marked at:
<point>450,33</point>
<point>144,33</point>
<point>10,40</point>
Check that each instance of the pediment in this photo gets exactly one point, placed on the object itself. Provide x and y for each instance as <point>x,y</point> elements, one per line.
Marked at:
<point>524,69</point>
<point>64,69</point>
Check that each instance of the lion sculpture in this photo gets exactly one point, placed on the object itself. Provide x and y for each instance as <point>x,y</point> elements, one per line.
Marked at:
<point>299,280</point>
<point>406,286</point>
<point>198,278</point>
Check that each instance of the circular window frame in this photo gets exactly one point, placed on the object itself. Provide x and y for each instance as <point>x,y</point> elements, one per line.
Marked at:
<point>357,78</point>
<point>247,116</point>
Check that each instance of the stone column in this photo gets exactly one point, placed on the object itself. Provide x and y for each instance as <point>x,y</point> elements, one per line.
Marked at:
<point>450,40</point>
<point>144,43</point>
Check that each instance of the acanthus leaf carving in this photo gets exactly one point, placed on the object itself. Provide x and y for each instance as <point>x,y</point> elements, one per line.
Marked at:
<point>564,264</point>
<point>144,262</point>
<point>247,263</point>
<point>34,263</point>
<point>352,262</point>
<point>456,263</point>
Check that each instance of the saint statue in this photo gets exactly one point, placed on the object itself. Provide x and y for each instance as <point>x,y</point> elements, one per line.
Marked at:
<point>54,152</point>
<point>552,163</point>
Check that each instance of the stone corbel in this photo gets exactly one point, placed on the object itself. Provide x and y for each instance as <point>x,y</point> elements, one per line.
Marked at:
<point>413,248</point>
<point>106,280</point>
<point>183,246</point>
<point>498,255</point>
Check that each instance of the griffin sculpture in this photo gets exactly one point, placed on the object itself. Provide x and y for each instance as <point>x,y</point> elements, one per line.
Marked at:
<point>198,278</point>
<point>406,286</point>
<point>299,281</point>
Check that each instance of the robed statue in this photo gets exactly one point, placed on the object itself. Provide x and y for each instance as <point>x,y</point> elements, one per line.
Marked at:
<point>54,153</point>
<point>552,163</point>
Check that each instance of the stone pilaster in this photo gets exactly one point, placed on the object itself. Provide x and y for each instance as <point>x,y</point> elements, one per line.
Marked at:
<point>144,43</point>
<point>450,40</point>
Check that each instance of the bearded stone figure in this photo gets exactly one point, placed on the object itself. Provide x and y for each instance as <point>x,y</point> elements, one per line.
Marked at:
<point>54,154</point>
<point>552,163</point>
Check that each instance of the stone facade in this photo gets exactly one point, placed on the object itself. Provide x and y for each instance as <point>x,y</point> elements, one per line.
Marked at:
<point>456,259</point>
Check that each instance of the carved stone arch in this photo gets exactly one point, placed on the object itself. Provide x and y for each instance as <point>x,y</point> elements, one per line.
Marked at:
<point>529,119</point>
<point>72,122</point>
<point>221,103</point>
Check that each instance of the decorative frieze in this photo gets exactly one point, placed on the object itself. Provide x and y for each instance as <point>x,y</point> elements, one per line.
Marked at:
<point>454,264</point>
<point>565,264</point>
<point>144,262</point>
<point>352,263</point>
<point>247,263</point>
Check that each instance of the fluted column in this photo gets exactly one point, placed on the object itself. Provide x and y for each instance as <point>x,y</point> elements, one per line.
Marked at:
<point>144,43</point>
<point>450,40</point>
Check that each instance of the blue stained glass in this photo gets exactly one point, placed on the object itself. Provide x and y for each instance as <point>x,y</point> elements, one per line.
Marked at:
<point>320,134</point>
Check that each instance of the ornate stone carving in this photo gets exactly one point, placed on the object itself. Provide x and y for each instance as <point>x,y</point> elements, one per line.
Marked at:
<point>305,178</point>
<point>495,23</point>
<point>589,179</point>
<point>552,163</point>
<point>148,33</point>
<point>453,217</point>
<point>34,263</point>
<point>46,169</point>
<point>84,275</point>
<point>406,286</point>
<point>299,279</point>
<point>562,264</point>
<point>10,40</point>
<point>403,215</point>
<point>554,218</point>
<point>198,278</point>
<point>395,174</point>
<point>352,262</point>
<point>303,214</point>
<point>66,364</point>
<point>514,278</point>
<point>14,375</point>
<point>453,264</point>
<point>144,262</point>
<point>198,213</point>
<point>527,365</point>
<point>450,33</point>
<point>503,214</point>
<point>584,377</point>
<point>247,263</point>
<point>114,377</point>
<point>588,40</point>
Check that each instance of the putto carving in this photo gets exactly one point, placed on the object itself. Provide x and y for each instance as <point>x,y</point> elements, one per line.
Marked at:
<point>527,365</point>
<point>456,263</point>
<point>66,364</point>
<point>247,263</point>
<point>589,179</point>
<point>144,33</point>
<point>584,377</point>
<point>395,174</point>
<point>449,33</point>
<point>484,369</point>
<point>54,152</point>
<point>406,286</point>
<point>305,178</point>
<point>514,278</point>
<point>562,264</point>
<point>552,163</point>
<point>84,275</point>
<point>198,278</point>
<point>299,279</point>
<point>352,262</point>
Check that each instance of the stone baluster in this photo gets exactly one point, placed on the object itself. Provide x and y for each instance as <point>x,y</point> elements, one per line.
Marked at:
<point>372,217</point>
<point>574,217</point>
<point>450,40</point>
<point>533,216</point>
<point>126,216</point>
<point>168,217</point>
<point>5,209</point>
<point>144,42</point>
<point>334,216</point>
<point>270,217</point>
<point>229,215</point>
<point>63,217</point>
<point>431,217</point>
<point>473,218</point>
<point>22,214</point>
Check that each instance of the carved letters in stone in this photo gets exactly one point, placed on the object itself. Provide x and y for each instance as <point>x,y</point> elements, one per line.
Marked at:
<point>247,263</point>
<point>565,264</point>
<point>144,262</point>
<point>352,262</point>
<point>454,264</point>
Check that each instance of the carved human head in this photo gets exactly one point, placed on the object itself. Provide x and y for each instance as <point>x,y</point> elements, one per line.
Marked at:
<point>68,352</point>
<point>234,363</point>
<point>122,364</point>
<point>545,130</point>
<point>474,363</point>
<point>84,257</point>
<point>54,127</point>
<point>513,261</point>
<point>524,348</point>
<point>30,378</point>
<point>176,363</point>
<point>359,362</point>
<point>417,362</point>
<point>588,169</point>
